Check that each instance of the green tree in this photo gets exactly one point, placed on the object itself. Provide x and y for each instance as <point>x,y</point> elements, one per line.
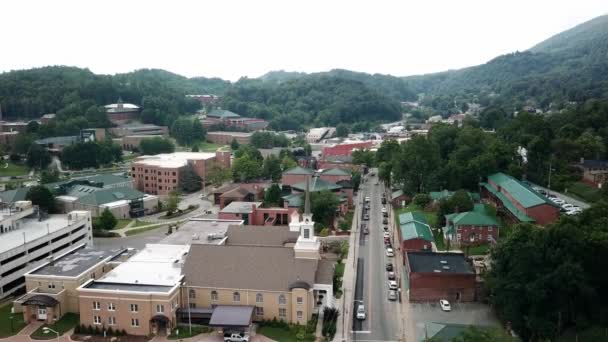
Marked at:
<point>172,202</point>
<point>32,127</point>
<point>288,163</point>
<point>323,205</point>
<point>234,145</point>
<point>342,130</point>
<point>422,200</point>
<point>475,334</point>
<point>271,168</point>
<point>218,174</point>
<point>106,220</point>
<point>364,157</point>
<point>42,197</point>
<point>38,157</point>
<point>246,168</point>
<point>385,171</point>
<point>418,165</point>
<point>22,144</point>
<point>156,145</point>
<point>187,131</point>
<point>195,148</point>
<point>272,196</point>
<point>189,180</point>
<point>356,180</point>
<point>49,176</point>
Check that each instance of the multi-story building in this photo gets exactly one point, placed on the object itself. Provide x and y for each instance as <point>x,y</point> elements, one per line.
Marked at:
<point>595,172</point>
<point>414,232</point>
<point>517,202</point>
<point>51,289</point>
<point>471,227</point>
<point>252,213</point>
<point>120,112</point>
<point>160,174</point>
<point>7,139</point>
<point>230,119</point>
<point>205,98</point>
<point>141,295</point>
<point>224,138</point>
<point>139,130</point>
<point>29,238</point>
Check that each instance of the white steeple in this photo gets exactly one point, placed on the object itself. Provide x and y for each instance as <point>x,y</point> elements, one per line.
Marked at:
<point>307,245</point>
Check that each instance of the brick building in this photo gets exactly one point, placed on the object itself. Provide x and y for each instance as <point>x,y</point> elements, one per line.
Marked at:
<point>7,139</point>
<point>296,175</point>
<point>471,227</point>
<point>239,192</point>
<point>119,113</point>
<point>160,174</point>
<point>230,119</point>
<point>414,232</point>
<point>434,276</point>
<point>345,149</point>
<point>517,202</point>
<point>225,138</point>
<point>252,213</point>
<point>595,172</point>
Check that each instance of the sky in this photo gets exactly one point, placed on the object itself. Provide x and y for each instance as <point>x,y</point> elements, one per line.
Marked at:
<point>231,39</point>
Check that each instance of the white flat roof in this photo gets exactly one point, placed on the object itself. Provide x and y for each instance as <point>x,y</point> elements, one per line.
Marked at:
<point>124,105</point>
<point>31,229</point>
<point>156,264</point>
<point>176,159</point>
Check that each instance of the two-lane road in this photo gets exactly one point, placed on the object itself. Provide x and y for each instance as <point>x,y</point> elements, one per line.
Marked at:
<point>383,316</point>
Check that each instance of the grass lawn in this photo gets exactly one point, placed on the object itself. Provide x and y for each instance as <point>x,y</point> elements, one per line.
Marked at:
<point>208,147</point>
<point>65,323</point>
<point>5,321</point>
<point>594,333</point>
<point>122,223</point>
<point>584,192</point>
<point>283,335</point>
<point>479,250</point>
<point>184,332</point>
<point>8,168</point>
<point>347,223</point>
<point>142,230</point>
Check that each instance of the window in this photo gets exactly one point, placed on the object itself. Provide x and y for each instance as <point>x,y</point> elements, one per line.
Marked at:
<point>457,237</point>
<point>489,237</point>
<point>236,297</point>
<point>160,308</point>
<point>174,173</point>
<point>214,295</point>
<point>282,312</point>
<point>192,305</point>
<point>96,320</point>
<point>259,311</point>
<point>134,322</point>
<point>282,300</point>
<point>489,228</point>
<point>51,285</point>
<point>96,306</point>
<point>111,320</point>
<point>306,233</point>
<point>299,300</point>
<point>134,308</point>
<point>174,181</point>
<point>192,294</point>
<point>259,298</point>
<point>111,307</point>
<point>299,314</point>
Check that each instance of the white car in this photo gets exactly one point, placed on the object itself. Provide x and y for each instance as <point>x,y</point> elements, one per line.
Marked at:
<point>392,285</point>
<point>236,337</point>
<point>567,206</point>
<point>367,199</point>
<point>361,312</point>
<point>445,305</point>
<point>389,252</point>
<point>558,201</point>
<point>387,234</point>
<point>383,209</point>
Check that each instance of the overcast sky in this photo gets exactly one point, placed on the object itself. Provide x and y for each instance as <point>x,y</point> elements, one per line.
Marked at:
<point>230,39</point>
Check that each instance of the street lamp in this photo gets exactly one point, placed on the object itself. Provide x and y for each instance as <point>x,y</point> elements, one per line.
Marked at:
<point>46,330</point>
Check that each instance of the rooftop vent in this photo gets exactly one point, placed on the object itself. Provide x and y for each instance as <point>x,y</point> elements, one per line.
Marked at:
<point>443,262</point>
<point>446,267</point>
<point>437,271</point>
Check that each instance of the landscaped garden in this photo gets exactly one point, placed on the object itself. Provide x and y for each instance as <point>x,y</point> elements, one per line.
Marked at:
<point>63,325</point>
<point>10,323</point>
<point>10,169</point>
<point>183,331</point>
<point>284,332</point>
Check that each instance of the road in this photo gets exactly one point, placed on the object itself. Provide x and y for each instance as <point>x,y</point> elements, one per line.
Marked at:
<point>383,322</point>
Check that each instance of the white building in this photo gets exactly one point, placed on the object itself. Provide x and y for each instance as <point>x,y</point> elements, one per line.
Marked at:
<point>27,241</point>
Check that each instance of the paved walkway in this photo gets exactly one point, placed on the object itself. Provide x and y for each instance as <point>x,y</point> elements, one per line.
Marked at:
<point>24,335</point>
<point>214,337</point>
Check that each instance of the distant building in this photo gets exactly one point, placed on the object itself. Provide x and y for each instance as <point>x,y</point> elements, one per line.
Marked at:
<point>57,144</point>
<point>119,113</point>
<point>471,227</point>
<point>414,232</point>
<point>595,172</point>
<point>315,135</point>
<point>205,99</point>
<point>135,129</point>
<point>252,213</point>
<point>433,276</point>
<point>7,139</point>
<point>15,126</point>
<point>46,118</point>
<point>230,119</point>
<point>345,149</point>
<point>242,192</point>
<point>29,238</point>
<point>160,174</point>
<point>517,202</point>
<point>225,138</point>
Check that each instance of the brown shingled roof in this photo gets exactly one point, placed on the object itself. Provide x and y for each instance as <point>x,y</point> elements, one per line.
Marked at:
<point>247,267</point>
<point>325,272</point>
<point>260,235</point>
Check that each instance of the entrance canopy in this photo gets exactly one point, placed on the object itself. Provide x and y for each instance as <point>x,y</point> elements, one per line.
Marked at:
<point>231,316</point>
<point>40,300</point>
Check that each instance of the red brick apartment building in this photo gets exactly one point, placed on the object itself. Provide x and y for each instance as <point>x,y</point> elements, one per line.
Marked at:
<point>434,276</point>
<point>230,119</point>
<point>345,149</point>
<point>159,174</point>
<point>225,138</point>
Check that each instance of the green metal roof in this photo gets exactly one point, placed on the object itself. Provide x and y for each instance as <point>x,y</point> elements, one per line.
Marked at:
<point>317,184</point>
<point>105,196</point>
<point>415,229</point>
<point>437,195</point>
<point>396,194</point>
<point>522,193</point>
<point>444,332</point>
<point>294,200</point>
<point>336,172</point>
<point>412,216</point>
<point>298,170</point>
<point>12,196</point>
<point>506,202</point>
<point>473,218</point>
<point>222,114</point>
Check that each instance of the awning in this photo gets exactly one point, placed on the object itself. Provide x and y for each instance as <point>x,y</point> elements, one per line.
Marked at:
<point>195,313</point>
<point>234,316</point>
<point>160,318</point>
<point>41,300</point>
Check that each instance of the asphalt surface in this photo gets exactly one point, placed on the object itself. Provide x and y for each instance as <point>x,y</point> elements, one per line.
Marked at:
<point>383,316</point>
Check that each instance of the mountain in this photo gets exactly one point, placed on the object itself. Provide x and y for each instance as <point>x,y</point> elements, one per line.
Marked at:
<point>570,66</point>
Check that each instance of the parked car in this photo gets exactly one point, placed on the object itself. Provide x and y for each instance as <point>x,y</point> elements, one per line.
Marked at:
<point>385,228</point>
<point>390,252</point>
<point>387,242</point>
<point>365,231</point>
<point>367,199</point>
<point>385,221</point>
<point>387,235</point>
<point>383,200</point>
<point>383,209</point>
<point>389,266</point>
<point>558,201</point>
<point>392,285</point>
<point>392,295</point>
<point>445,305</point>
<point>567,206</point>
<point>361,312</point>
<point>236,337</point>
<point>366,217</point>
<point>385,214</point>
<point>391,275</point>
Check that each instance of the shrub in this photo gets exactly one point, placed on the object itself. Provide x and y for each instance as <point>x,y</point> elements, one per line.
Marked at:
<point>77,329</point>
<point>422,200</point>
<point>324,232</point>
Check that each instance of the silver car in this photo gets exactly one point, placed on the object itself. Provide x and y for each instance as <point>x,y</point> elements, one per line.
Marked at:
<point>392,295</point>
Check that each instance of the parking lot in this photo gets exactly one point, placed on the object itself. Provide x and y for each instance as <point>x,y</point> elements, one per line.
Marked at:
<point>462,313</point>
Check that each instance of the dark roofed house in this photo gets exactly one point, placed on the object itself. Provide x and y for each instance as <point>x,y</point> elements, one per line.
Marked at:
<point>434,276</point>
<point>517,202</point>
<point>595,172</point>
